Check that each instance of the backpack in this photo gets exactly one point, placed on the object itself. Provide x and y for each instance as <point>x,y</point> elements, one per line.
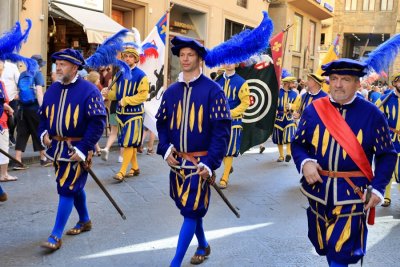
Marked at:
<point>26,87</point>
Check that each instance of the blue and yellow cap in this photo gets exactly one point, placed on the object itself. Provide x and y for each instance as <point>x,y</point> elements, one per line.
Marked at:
<point>70,55</point>
<point>345,66</point>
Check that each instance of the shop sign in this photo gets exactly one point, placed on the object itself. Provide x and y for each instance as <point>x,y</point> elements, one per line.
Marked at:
<point>97,5</point>
<point>178,26</point>
<point>328,7</point>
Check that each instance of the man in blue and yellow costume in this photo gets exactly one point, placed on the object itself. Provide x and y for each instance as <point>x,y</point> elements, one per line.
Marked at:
<point>193,124</point>
<point>335,143</point>
<point>72,120</point>
<point>389,105</point>
<point>130,95</point>
<point>285,126</point>
<point>314,92</point>
<point>238,94</point>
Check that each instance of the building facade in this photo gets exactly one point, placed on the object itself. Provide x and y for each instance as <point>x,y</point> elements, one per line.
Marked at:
<point>303,21</point>
<point>365,24</point>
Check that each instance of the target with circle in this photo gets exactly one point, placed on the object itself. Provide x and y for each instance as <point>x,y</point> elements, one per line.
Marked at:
<point>260,101</point>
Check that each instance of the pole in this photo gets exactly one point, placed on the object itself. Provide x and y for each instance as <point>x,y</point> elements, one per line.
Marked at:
<point>284,43</point>
<point>11,157</point>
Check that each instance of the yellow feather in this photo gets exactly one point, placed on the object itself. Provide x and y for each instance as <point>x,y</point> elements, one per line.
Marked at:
<point>315,138</point>
<point>179,115</point>
<point>191,118</point>
<point>76,115</point>
<point>171,126</point>
<point>200,119</point>
<point>52,115</point>
<point>325,142</point>
<point>68,116</point>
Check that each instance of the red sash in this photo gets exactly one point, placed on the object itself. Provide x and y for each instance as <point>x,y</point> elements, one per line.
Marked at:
<point>342,133</point>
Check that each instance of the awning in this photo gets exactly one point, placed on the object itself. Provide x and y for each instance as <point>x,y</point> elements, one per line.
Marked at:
<point>97,25</point>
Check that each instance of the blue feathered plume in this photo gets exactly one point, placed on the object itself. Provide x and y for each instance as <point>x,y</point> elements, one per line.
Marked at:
<point>241,46</point>
<point>10,45</point>
<point>106,54</point>
<point>285,73</point>
<point>383,56</point>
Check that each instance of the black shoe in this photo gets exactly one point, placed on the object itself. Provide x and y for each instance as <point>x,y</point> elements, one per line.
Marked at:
<point>45,163</point>
<point>288,158</point>
<point>262,148</point>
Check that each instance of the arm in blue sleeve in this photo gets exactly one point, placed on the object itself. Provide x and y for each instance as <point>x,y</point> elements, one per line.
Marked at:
<point>385,155</point>
<point>92,135</point>
<point>220,134</point>
<point>299,145</point>
<point>162,128</point>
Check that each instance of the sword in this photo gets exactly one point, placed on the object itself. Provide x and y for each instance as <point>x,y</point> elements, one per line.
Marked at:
<point>86,167</point>
<point>371,215</point>
<point>211,180</point>
<point>11,157</point>
<point>385,99</point>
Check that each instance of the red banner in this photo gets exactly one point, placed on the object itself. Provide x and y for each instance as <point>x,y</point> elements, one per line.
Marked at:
<point>276,44</point>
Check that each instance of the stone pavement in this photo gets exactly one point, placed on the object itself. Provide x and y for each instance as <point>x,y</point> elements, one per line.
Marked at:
<point>272,230</point>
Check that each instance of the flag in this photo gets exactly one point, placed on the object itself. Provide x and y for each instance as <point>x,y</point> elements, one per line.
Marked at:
<point>331,55</point>
<point>154,69</point>
<point>276,44</point>
<point>259,118</point>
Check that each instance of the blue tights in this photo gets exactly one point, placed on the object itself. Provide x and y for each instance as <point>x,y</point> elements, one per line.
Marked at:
<point>64,211</point>
<point>190,227</point>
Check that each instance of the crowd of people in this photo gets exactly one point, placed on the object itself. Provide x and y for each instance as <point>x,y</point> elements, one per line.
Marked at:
<point>333,138</point>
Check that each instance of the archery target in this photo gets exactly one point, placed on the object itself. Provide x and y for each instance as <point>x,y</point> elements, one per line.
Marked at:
<point>261,93</point>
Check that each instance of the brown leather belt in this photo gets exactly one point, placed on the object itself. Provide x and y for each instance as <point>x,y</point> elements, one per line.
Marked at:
<point>346,176</point>
<point>394,130</point>
<point>64,138</point>
<point>334,174</point>
<point>190,156</point>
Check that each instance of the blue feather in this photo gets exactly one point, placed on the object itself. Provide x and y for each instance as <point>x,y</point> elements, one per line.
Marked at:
<point>126,71</point>
<point>285,73</point>
<point>31,64</point>
<point>106,54</point>
<point>241,46</point>
<point>383,56</point>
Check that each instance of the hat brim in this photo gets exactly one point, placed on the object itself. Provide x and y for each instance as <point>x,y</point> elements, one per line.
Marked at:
<point>69,59</point>
<point>201,51</point>
<point>351,72</point>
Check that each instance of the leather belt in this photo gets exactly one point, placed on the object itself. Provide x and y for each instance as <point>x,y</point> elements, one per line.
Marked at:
<point>190,156</point>
<point>394,130</point>
<point>64,138</point>
<point>346,176</point>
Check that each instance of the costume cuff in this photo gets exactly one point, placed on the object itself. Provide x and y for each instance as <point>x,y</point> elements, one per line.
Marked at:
<point>168,152</point>
<point>80,154</point>
<point>304,162</point>
<point>376,192</point>
<point>202,165</point>
<point>42,137</point>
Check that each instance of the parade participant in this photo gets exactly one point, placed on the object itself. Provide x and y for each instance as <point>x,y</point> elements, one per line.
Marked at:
<point>285,126</point>
<point>237,93</point>
<point>314,92</point>
<point>337,139</point>
<point>72,120</point>
<point>130,95</point>
<point>389,105</point>
<point>193,124</point>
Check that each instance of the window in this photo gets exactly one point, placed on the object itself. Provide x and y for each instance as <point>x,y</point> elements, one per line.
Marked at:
<point>386,5</point>
<point>351,5</point>
<point>232,28</point>
<point>368,5</point>
<point>322,42</point>
<point>297,29</point>
<point>242,3</point>
<point>296,66</point>
<point>313,27</point>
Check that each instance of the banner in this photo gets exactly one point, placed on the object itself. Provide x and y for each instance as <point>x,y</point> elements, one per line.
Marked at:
<point>331,55</point>
<point>276,44</point>
<point>259,118</point>
<point>154,69</point>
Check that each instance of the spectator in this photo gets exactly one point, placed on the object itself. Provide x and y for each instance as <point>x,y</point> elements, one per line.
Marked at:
<point>10,78</point>
<point>4,133</point>
<point>28,118</point>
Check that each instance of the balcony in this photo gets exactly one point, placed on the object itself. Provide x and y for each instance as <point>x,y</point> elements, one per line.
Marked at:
<point>312,7</point>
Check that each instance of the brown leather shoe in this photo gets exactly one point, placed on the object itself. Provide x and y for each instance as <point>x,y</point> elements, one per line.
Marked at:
<point>199,258</point>
<point>52,246</point>
<point>133,172</point>
<point>3,197</point>
<point>79,228</point>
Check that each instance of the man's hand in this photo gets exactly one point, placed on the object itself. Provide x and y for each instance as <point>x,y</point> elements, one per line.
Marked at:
<point>203,173</point>
<point>171,160</point>
<point>46,140</point>
<point>104,92</point>
<point>310,172</point>
<point>8,109</point>
<point>373,201</point>
<point>74,156</point>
